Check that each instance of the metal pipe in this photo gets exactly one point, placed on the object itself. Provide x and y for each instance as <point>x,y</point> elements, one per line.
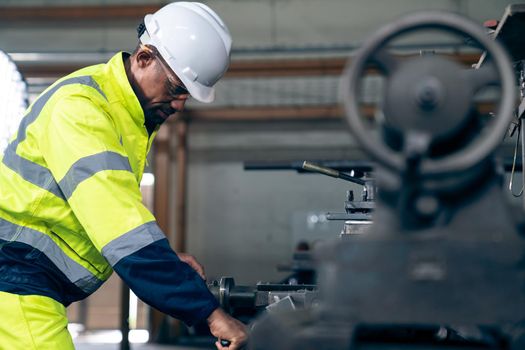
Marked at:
<point>522,135</point>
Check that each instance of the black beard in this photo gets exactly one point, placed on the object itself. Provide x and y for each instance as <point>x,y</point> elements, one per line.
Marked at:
<point>152,117</point>
<point>152,121</point>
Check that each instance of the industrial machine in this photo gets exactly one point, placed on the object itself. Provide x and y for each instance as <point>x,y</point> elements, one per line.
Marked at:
<point>358,211</point>
<point>298,291</point>
<point>443,264</point>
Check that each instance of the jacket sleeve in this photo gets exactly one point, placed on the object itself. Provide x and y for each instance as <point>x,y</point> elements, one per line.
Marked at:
<point>83,152</point>
<point>156,274</point>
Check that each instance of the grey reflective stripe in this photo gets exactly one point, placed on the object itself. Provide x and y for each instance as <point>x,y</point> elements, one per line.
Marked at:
<point>76,273</point>
<point>30,171</point>
<point>132,241</point>
<point>86,167</point>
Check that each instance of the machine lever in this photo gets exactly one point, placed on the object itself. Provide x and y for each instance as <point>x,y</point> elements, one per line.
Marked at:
<point>331,172</point>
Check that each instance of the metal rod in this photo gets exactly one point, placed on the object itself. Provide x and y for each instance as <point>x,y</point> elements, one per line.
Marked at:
<point>521,117</point>
<point>522,135</point>
<point>331,172</point>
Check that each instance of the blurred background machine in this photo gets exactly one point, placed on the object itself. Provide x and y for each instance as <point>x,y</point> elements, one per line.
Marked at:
<point>298,290</point>
<point>358,211</point>
<point>443,265</point>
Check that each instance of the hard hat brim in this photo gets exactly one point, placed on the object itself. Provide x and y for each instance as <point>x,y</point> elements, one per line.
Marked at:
<point>198,91</point>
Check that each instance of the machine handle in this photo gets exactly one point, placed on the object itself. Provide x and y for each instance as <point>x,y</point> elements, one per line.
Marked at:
<point>331,172</point>
<point>225,342</point>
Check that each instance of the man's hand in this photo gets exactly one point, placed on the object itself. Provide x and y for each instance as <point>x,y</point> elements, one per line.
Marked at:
<point>190,260</point>
<point>225,327</point>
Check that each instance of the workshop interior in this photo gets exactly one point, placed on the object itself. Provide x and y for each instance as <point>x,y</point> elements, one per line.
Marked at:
<point>356,184</point>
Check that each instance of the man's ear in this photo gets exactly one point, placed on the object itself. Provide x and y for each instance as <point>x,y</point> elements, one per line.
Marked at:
<point>144,57</point>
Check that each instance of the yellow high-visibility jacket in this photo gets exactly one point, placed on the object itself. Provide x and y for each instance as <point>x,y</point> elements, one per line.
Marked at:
<point>70,202</point>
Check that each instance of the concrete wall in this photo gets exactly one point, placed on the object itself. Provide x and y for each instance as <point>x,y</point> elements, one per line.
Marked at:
<point>244,223</point>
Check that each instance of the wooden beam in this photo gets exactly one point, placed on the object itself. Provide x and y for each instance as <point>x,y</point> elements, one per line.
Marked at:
<point>286,67</point>
<point>314,66</point>
<point>161,209</point>
<point>259,68</point>
<point>287,113</point>
<point>265,113</point>
<point>162,166</point>
<point>181,130</point>
<point>51,70</point>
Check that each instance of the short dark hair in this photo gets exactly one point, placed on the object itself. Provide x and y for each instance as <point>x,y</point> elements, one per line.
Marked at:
<point>137,48</point>
<point>141,28</point>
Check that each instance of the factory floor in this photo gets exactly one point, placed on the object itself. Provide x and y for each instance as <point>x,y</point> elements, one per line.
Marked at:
<point>110,340</point>
<point>85,346</point>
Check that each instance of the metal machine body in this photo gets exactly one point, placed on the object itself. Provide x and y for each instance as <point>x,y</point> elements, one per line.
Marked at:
<point>252,300</point>
<point>443,264</point>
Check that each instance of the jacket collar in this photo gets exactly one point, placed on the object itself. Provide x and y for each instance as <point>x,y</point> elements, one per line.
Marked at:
<point>122,92</point>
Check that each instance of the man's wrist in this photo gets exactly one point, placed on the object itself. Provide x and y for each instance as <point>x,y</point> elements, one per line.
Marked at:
<point>215,315</point>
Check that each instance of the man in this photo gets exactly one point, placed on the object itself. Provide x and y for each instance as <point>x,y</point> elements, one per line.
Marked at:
<point>70,203</point>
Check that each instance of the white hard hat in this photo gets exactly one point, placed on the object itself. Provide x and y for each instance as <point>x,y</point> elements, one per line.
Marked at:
<point>195,43</point>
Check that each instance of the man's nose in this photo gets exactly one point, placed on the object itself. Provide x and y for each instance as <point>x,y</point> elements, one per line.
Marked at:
<point>179,102</point>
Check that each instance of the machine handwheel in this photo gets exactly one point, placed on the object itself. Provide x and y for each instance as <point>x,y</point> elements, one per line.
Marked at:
<point>431,91</point>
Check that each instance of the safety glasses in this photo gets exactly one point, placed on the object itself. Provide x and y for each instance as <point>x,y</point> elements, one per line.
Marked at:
<point>173,84</point>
